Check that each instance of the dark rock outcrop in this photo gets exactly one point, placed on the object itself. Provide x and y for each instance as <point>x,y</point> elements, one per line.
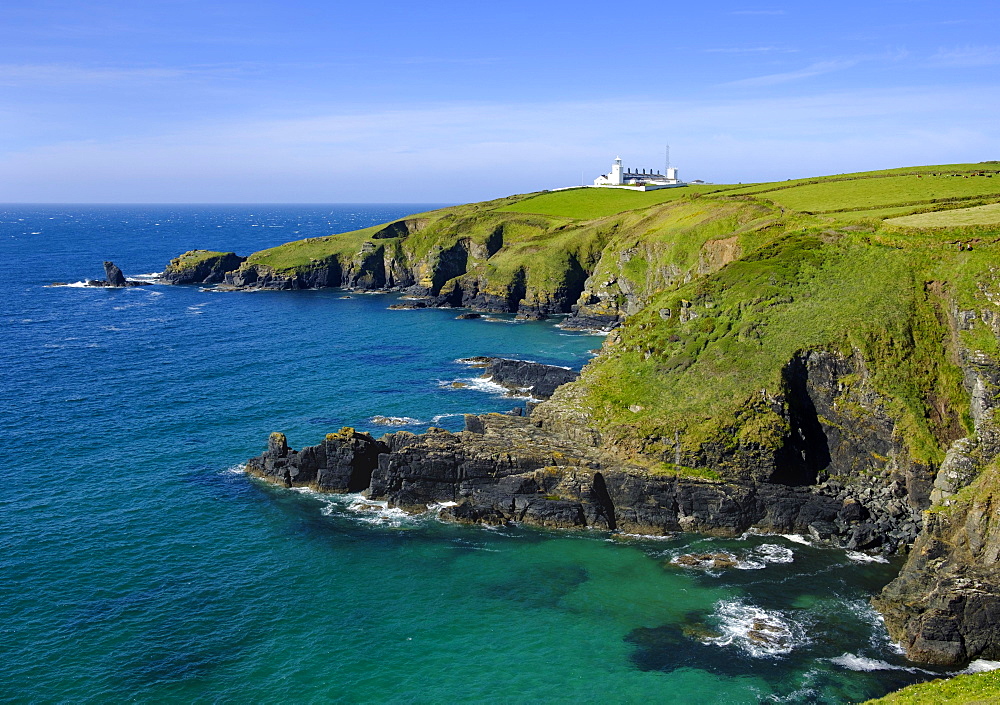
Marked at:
<point>945,605</point>
<point>504,468</point>
<point>114,279</point>
<point>401,228</point>
<point>523,376</point>
<point>326,273</point>
<point>114,275</point>
<point>343,462</point>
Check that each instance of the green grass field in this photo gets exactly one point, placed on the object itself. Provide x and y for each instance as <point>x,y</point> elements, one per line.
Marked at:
<point>992,166</point>
<point>861,194</point>
<point>300,252</point>
<point>978,215</point>
<point>876,194</point>
<point>590,203</point>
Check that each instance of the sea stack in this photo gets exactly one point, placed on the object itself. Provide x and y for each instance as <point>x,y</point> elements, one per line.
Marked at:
<point>114,279</point>
<point>113,275</point>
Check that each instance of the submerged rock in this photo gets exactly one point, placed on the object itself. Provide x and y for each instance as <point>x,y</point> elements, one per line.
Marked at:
<point>707,561</point>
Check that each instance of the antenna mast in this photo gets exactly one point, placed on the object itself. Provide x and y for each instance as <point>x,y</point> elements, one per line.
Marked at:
<point>667,159</point>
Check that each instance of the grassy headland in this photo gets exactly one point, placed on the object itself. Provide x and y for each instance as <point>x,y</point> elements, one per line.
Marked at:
<point>718,287</point>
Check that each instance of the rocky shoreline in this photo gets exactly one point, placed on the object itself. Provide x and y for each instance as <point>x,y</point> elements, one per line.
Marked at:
<point>843,476</point>
<point>504,468</point>
<point>507,469</point>
<point>444,278</point>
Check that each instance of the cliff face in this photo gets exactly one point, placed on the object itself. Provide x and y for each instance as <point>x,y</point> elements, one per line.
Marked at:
<point>483,258</point>
<point>200,267</point>
<point>945,605</point>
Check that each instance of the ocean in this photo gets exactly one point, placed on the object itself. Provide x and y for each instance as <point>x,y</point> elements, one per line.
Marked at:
<point>139,563</point>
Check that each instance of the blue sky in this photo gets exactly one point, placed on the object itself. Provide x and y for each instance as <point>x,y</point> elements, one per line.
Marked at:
<point>264,101</point>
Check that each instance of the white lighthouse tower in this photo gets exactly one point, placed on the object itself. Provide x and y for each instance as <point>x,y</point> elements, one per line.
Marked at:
<point>615,177</point>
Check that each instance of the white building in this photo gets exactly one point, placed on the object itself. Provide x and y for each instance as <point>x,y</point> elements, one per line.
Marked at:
<point>637,179</point>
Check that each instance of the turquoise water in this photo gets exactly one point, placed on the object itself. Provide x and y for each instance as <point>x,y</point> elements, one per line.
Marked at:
<point>139,563</point>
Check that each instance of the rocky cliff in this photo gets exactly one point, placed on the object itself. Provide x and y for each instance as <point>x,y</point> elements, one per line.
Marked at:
<point>523,377</point>
<point>945,605</point>
<point>503,469</point>
<point>782,358</point>
<point>200,267</point>
<point>489,259</point>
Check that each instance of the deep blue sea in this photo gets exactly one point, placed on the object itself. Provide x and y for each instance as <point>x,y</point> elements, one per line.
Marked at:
<point>138,562</point>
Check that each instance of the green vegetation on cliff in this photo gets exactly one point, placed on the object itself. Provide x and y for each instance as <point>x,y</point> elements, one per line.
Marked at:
<point>696,349</point>
<point>193,258</point>
<point>305,253</point>
<point>960,690</point>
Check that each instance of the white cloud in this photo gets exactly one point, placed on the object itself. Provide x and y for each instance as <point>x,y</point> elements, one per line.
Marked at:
<point>751,50</point>
<point>816,69</point>
<point>967,56</point>
<point>61,75</point>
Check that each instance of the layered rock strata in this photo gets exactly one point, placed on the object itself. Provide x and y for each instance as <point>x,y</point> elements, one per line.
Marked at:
<point>503,469</point>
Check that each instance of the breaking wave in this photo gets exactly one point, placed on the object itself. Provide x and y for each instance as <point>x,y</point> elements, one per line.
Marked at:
<point>854,662</point>
<point>859,557</point>
<point>755,559</point>
<point>396,421</point>
<point>478,384</point>
<point>755,631</point>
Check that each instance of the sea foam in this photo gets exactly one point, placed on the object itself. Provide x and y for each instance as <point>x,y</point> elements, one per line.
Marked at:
<point>854,662</point>
<point>755,631</point>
